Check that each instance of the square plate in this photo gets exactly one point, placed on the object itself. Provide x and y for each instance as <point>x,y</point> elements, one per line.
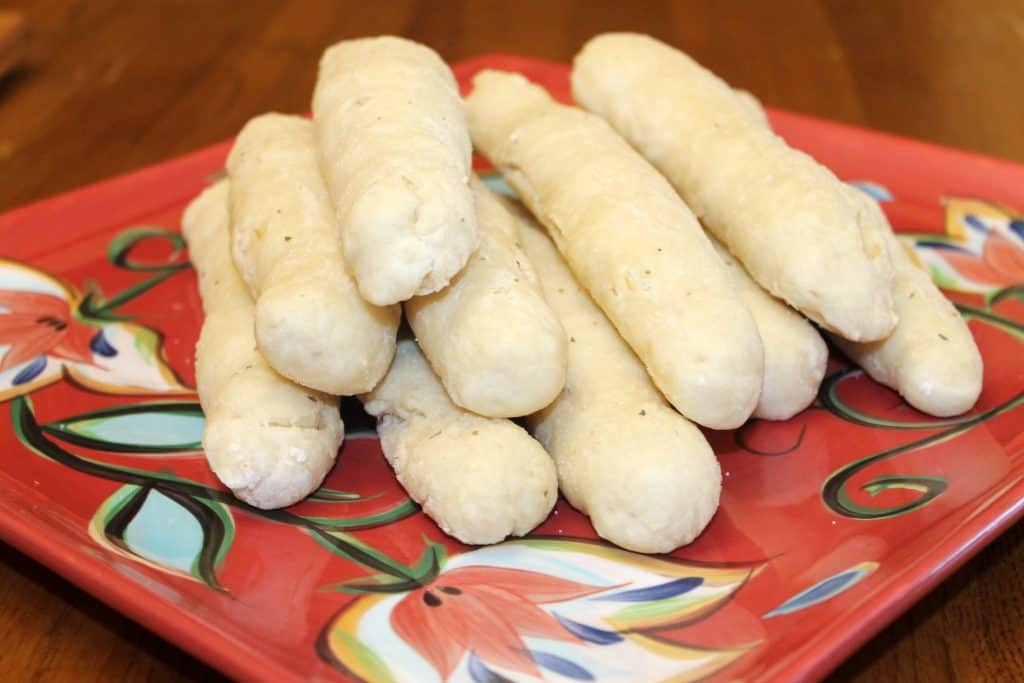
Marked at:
<point>831,523</point>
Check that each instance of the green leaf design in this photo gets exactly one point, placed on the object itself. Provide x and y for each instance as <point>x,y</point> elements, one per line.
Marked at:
<point>393,514</point>
<point>326,495</point>
<point>153,427</point>
<point>828,395</point>
<point>837,496</point>
<point>1007,325</point>
<point>96,307</point>
<point>166,530</point>
<point>426,569</point>
<point>835,493</point>
<point>1011,292</point>
<point>119,250</point>
<point>348,546</point>
<point>205,503</point>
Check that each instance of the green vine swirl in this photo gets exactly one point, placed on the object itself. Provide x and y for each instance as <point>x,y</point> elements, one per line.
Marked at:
<point>836,492</point>
<point>330,533</point>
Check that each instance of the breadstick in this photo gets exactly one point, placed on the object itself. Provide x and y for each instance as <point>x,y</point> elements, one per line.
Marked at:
<point>268,440</point>
<point>396,155</point>
<point>631,242</point>
<point>312,325</point>
<point>481,479</point>
<point>489,335</point>
<point>644,474</point>
<point>931,358</point>
<point>795,355</point>
<point>783,215</point>
<point>752,106</point>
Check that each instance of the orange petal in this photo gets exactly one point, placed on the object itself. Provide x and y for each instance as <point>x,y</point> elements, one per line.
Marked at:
<point>524,616</point>
<point>35,302</point>
<point>417,624</point>
<point>971,267</point>
<point>1004,257</point>
<point>32,344</point>
<point>74,343</point>
<point>533,586</point>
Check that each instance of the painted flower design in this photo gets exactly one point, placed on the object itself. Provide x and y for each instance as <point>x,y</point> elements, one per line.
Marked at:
<point>538,609</point>
<point>982,250</point>
<point>44,337</point>
<point>486,611</point>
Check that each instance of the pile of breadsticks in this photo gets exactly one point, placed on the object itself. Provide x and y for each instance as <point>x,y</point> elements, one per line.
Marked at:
<point>615,329</point>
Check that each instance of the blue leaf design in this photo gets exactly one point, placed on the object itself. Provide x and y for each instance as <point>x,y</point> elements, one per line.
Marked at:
<point>32,370</point>
<point>101,347</point>
<point>479,672</point>
<point>878,192</point>
<point>597,636</point>
<point>973,221</point>
<point>651,593</point>
<point>824,590</point>
<point>561,666</point>
<point>1017,226</point>
<point>941,245</point>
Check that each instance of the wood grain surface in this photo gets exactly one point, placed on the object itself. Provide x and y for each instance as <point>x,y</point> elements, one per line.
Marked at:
<point>106,87</point>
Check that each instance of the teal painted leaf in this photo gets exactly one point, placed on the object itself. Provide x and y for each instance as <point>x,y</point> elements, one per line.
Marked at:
<point>167,530</point>
<point>496,183</point>
<point>154,427</point>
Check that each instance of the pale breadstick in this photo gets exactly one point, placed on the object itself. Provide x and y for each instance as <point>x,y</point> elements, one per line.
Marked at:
<point>795,355</point>
<point>481,479</point>
<point>489,335</point>
<point>644,474</point>
<point>631,242</point>
<point>931,358</point>
<point>396,155</point>
<point>753,106</point>
<point>312,325</point>
<point>270,441</point>
<point>783,215</point>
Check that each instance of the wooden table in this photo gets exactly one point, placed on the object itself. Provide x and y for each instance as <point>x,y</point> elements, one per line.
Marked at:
<point>111,86</point>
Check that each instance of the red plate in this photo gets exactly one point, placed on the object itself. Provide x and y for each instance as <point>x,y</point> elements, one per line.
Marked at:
<point>831,524</point>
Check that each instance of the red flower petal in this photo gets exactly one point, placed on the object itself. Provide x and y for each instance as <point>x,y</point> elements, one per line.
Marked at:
<point>32,344</point>
<point>972,267</point>
<point>1005,258</point>
<point>533,586</point>
<point>417,624</point>
<point>482,627</point>
<point>14,325</point>
<point>75,344</point>
<point>524,616</point>
<point>35,302</point>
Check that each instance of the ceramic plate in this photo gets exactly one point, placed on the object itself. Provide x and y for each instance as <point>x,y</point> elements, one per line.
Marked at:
<point>831,524</point>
